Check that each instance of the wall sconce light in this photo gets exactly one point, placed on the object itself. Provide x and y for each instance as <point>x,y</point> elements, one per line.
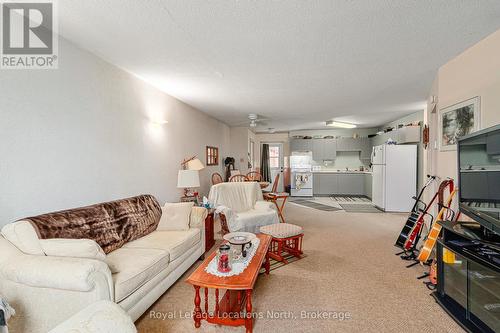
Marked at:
<point>159,122</point>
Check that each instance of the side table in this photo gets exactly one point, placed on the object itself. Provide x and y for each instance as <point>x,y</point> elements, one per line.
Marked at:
<point>209,230</point>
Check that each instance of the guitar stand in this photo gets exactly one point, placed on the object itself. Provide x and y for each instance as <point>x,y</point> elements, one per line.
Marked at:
<point>399,253</point>
<point>412,264</point>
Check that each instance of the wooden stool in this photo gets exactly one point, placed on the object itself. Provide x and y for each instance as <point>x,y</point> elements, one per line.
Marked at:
<point>286,237</point>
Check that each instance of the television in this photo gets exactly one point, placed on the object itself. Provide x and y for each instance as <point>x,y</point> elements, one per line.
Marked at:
<point>479,177</point>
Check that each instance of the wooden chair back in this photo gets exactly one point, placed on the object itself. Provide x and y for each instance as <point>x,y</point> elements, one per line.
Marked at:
<point>216,178</point>
<point>254,176</point>
<point>275,183</point>
<point>238,178</point>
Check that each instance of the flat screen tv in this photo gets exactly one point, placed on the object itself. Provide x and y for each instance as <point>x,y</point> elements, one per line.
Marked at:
<point>479,177</point>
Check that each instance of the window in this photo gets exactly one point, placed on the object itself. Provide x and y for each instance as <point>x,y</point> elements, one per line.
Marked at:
<point>274,157</point>
<point>212,155</point>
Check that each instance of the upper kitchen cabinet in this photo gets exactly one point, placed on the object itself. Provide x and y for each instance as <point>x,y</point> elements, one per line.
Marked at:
<point>329,149</point>
<point>407,134</point>
<point>301,145</point>
<point>366,149</point>
<point>324,149</point>
<point>348,144</point>
<point>493,144</point>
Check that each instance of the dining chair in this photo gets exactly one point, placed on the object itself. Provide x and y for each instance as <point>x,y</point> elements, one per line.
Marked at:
<point>216,178</point>
<point>274,197</point>
<point>254,176</point>
<point>238,178</point>
<point>275,183</point>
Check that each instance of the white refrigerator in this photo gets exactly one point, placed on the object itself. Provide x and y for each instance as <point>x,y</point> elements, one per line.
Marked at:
<point>394,179</point>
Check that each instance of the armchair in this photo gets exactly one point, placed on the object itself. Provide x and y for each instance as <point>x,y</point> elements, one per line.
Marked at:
<point>241,207</point>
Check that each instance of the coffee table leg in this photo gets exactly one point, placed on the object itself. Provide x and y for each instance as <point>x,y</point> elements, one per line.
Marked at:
<point>249,319</point>
<point>197,308</point>
<point>267,265</point>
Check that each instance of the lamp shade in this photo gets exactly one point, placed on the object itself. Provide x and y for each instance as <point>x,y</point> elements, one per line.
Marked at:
<point>195,164</point>
<point>188,178</point>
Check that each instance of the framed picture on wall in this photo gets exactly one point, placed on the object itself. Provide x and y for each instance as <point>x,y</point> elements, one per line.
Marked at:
<point>212,155</point>
<point>458,120</point>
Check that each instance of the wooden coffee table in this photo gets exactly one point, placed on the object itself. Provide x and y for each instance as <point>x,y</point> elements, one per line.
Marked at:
<point>234,308</point>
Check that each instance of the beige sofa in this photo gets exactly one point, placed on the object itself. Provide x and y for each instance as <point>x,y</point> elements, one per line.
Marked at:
<point>46,289</point>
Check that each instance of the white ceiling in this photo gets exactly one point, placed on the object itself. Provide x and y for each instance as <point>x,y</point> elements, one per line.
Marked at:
<point>295,62</point>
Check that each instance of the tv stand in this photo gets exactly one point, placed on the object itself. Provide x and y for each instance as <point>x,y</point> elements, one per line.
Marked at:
<point>469,277</point>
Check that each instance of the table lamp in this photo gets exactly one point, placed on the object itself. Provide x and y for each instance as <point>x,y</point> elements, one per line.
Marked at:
<point>188,179</point>
<point>192,163</point>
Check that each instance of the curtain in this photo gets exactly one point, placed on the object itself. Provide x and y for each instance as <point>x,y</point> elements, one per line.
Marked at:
<point>264,163</point>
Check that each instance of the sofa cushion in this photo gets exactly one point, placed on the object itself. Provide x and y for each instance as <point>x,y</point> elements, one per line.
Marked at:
<point>78,248</point>
<point>135,267</point>
<point>22,235</point>
<point>175,242</point>
<point>175,216</point>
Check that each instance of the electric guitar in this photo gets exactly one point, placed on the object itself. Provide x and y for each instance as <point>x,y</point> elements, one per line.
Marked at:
<point>414,216</point>
<point>430,242</point>
<point>412,240</point>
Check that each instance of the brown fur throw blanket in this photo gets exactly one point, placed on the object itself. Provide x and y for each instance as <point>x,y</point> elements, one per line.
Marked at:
<point>110,224</point>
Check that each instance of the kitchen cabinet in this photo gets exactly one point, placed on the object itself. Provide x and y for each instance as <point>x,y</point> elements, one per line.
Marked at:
<point>366,148</point>
<point>407,134</point>
<point>348,144</point>
<point>351,184</point>
<point>324,149</point>
<point>368,185</point>
<point>325,184</point>
<point>318,150</point>
<point>341,184</point>
<point>301,145</point>
<point>493,144</point>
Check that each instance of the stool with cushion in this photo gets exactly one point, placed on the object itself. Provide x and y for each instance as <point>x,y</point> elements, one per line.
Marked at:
<point>286,237</point>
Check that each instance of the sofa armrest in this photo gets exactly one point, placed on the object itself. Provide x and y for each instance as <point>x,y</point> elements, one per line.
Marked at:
<point>264,205</point>
<point>65,273</point>
<point>102,316</point>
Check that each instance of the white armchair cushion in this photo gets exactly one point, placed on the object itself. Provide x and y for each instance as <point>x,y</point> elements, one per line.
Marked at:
<point>22,235</point>
<point>239,196</point>
<point>175,216</point>
<point>252,220</point>
<point>264,205</point>
<point>78,248</point>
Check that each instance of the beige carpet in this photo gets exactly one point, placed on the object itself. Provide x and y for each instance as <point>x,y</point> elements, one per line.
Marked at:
<point>350,268</point>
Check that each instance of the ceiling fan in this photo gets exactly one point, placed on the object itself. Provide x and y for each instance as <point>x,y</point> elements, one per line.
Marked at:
<point>255,120</point>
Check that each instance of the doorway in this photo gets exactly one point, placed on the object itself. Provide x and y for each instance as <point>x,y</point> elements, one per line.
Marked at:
<point>276,164</point>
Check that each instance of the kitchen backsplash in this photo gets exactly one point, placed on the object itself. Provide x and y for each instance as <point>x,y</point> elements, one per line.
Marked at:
<point>345,159</point>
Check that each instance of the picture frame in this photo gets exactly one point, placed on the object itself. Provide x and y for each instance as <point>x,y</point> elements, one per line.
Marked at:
<point>212,155</point>
<point>458,120</point>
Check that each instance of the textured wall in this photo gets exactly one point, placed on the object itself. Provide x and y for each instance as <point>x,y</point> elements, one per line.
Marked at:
<point>475,72</point>
<point>83,134</point>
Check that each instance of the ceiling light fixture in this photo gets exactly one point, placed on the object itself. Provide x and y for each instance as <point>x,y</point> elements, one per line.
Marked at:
<point>332,123</point>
